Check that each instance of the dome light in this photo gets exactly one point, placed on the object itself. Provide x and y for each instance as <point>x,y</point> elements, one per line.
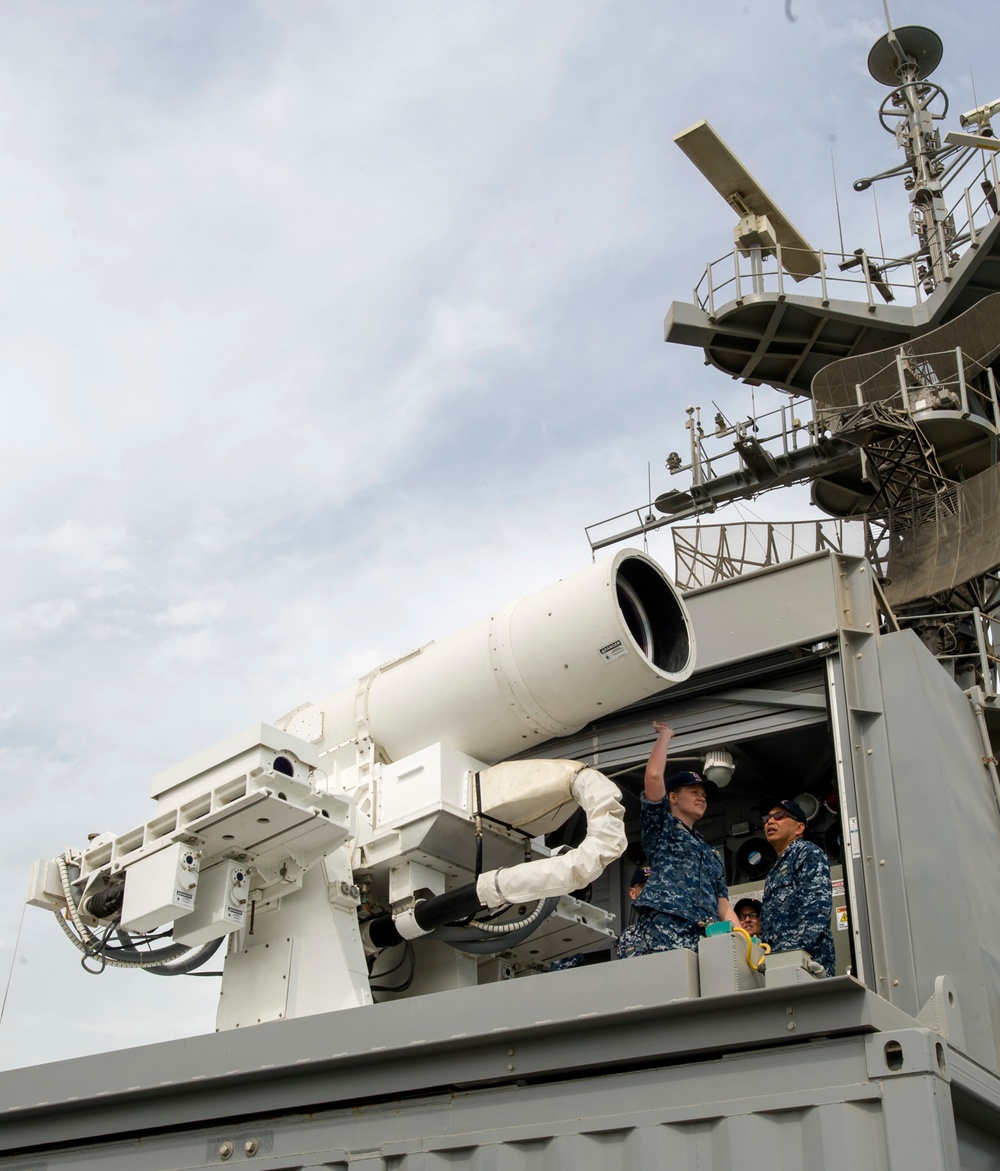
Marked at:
<point>719,767</point>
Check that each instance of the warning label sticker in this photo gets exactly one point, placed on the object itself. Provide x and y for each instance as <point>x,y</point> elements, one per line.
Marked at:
<point>614,650</point>
<point>183,898</point>
<point>840,909</point>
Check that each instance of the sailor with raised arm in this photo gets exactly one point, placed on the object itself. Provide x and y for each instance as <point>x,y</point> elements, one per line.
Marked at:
<point>686,888</point>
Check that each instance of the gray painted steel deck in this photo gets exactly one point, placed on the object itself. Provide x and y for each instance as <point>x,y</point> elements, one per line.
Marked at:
<point>616,1076</point>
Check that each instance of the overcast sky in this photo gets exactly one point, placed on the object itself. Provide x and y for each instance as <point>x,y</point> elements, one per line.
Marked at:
<point>326,328</point>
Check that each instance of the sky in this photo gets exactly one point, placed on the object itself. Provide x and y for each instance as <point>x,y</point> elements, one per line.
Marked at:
<point>326,329</point>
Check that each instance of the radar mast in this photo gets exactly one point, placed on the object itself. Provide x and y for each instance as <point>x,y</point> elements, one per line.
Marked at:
<point>897,360</point>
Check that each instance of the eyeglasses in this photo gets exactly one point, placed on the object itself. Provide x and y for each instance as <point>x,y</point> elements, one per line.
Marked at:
<point>776,817</point>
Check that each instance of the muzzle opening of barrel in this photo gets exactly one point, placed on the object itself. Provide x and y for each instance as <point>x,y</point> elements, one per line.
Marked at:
<point>653,614</point>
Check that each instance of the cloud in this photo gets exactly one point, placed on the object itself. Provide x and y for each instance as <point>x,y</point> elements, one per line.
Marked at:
<point>40,617</point>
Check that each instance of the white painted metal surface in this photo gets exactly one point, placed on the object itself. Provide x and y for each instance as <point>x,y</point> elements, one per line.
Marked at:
<point>611,634</point>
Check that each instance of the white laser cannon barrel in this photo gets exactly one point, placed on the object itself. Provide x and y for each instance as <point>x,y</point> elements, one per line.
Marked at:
<point>544,666</point>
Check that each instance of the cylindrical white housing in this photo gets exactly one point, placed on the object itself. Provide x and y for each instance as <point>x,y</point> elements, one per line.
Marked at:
<point>544,666</point>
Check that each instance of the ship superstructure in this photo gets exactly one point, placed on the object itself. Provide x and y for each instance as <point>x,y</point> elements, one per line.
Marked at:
<point>887,371</point>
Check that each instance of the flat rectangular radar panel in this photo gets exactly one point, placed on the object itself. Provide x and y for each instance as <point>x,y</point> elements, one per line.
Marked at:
<point>979,141</point>
<point>743,193</point>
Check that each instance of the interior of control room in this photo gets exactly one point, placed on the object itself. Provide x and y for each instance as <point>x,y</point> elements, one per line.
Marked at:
<point>796,761</point>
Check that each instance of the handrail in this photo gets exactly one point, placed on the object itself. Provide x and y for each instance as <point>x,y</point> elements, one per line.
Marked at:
<point>866,282</point>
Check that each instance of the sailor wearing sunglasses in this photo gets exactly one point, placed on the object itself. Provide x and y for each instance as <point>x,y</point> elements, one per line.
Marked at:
<point>797,898</point>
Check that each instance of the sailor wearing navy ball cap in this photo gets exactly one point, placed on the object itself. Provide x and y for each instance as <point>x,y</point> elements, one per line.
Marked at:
<point>686,888</point>
<point>797,894</point>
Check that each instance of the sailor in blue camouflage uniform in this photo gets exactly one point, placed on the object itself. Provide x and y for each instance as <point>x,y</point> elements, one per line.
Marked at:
<point>686,888</point>
<point>797,896</point>
<point>631,939</point>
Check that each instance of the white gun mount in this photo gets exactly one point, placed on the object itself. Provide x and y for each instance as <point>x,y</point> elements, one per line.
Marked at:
<point>358,839</point>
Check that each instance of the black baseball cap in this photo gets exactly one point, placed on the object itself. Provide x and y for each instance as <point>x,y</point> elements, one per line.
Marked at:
<point>639,876</point>
<point>679,780</point>
<point>750,904</point>
<point>786,803</point>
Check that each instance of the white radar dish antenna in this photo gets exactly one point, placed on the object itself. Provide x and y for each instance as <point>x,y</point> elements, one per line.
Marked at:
<point>763,226</point>
<point>911,53</point>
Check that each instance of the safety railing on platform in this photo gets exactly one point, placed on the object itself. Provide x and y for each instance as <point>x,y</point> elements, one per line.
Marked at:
<point>706,554</point>
<point>966,641</point>
<point>857,276</point>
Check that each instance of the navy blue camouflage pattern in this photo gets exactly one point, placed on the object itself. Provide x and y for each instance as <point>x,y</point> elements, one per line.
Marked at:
<point>631,941</point>
<point>686,881</point>
<point>798,902</point>
<point>653,931</point>
<point>567,962</point>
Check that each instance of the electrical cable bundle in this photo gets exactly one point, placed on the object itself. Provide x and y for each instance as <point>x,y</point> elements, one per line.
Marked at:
<point>174,959</point>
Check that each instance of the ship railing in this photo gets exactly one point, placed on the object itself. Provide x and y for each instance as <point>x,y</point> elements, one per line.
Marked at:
<point>706,554</point>
<point>915,383</point>
<point>977,654</point>
<point>738,275</point>
<point>983,205</point>
<point>627,526</point>
<point>940,381</point>
<point>778,431</point>
<point>781,430</point>
<point>951,389</point>
<point>857,276</point>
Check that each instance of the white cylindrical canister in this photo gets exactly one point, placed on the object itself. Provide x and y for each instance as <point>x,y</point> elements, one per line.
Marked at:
<point>544,666</point>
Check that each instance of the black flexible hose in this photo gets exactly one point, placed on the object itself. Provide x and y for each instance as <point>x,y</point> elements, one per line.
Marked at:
<point>382,932</point>
<point>129,953</point>
<point>477,943</point>
<point>479,826</point>
<point>460,903</point>
<point>194,960</point>
<point>106,903</point>
<point>196,957</point>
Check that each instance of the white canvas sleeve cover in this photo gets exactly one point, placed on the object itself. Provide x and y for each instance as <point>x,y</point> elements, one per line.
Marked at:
<point>550,877</point>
